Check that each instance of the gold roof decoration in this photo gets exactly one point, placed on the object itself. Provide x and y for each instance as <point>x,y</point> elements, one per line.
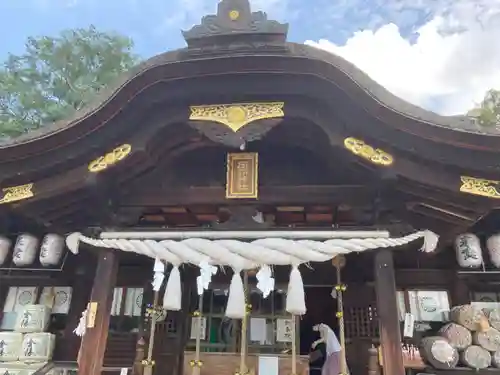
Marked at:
<point>236,116</point>
<point>373,155</point>
<point>111,158</point>
<point>480,186</point>
<point>17,193</point>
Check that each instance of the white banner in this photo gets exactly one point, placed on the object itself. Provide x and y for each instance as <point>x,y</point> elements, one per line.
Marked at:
<point>284,330</point>
<point>18,296</point>
<point>117,301</point>
<point>194,326</point>
<point>429,305</point>
<point>57,298</point>
<point>133,302</point>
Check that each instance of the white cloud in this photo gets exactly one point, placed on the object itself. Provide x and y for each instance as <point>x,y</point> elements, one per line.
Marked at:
<point>449,67</point>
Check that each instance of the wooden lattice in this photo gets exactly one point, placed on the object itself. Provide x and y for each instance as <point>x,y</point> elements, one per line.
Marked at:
<point>361,322</point>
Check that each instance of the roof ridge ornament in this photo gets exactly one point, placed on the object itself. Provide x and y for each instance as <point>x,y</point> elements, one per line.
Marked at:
<point>235,19</point>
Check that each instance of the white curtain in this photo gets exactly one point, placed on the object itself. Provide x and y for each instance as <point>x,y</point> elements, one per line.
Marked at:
<point>117,301</point>
<point>57,298</point>
<point>133,302</point>
<point>401,305</point>
<point>18,296</point>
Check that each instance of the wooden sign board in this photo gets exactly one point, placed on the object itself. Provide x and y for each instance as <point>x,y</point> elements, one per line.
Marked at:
<point>242,175</point>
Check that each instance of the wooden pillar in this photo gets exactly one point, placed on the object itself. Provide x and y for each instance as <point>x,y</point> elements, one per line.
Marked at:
<point>460,293</point>
<point>82,287</point>
<point>93,345</point>
<point>387,311</point>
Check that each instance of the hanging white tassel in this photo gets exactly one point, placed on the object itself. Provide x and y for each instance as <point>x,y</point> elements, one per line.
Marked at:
<point>81,328</point>
<point>172,299</point>
<point>265,280</point>
<point>295,299</point>
<point>158,274</point>
<point>236,308</point>
<point>431,240</point>
<point>206,272</point>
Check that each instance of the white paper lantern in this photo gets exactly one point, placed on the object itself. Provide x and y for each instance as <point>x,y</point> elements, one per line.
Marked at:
<point>51,250</point>
<point>468,251</point>
<point>25,250</point>
<point>5,245</point>
<point>493,246</point>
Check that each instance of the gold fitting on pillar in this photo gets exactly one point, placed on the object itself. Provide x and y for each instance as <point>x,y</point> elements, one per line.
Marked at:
<point>196,363</point>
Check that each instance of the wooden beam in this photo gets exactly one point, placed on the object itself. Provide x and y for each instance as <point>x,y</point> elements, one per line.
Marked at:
<point>91,355</point>
<point>387,311</point>
<point>276,195</point>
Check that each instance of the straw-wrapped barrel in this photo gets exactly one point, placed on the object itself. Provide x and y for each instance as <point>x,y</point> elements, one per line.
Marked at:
<point>438,352</point>
<point>493,316</point>
<point>488,339</point>
<point>476,357</point>
<point>458,336</point>
<point>467,316</point>
<point>495,359</point>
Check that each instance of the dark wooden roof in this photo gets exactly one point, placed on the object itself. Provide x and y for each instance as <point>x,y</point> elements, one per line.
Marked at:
<point>327,100</point>
<point>218,38</point>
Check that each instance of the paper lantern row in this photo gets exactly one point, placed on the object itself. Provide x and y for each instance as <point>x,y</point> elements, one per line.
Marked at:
<point>469,253</point>
<point>26,248</point>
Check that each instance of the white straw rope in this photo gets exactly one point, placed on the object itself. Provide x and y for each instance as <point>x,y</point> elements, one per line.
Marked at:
<point>247,255</point>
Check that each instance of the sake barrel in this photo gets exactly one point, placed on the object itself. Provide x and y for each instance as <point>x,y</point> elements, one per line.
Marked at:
<point>458,336</point>
<point>10,346</point>
<point>51,250</point>
<point>493,316</point>
<point>476,357</point>
<point>438,352</point>
<point>33,318</point>
<point>493,247</point>
<point>37,347</point>
<point>25,250</point>
<point>489,339</point>
<point>468,251</point>
<point>5,245</point>
<point>495,359</point>
<point>468,316</point>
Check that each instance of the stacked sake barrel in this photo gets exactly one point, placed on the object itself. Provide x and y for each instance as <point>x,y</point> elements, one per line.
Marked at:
<point>471,339</point>
<point>28,347</point>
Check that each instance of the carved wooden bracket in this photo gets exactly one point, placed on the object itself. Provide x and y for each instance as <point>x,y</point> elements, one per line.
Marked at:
<point>235,124</point>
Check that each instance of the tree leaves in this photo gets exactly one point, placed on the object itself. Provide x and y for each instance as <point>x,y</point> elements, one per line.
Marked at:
<point>488,112</point>
<point>58,75</point>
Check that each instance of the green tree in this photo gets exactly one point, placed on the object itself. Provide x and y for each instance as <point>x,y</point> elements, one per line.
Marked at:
<point>59,75</point>
<point>488,112</point>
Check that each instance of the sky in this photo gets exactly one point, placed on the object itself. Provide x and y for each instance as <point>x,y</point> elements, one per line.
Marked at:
<point>442,55</point>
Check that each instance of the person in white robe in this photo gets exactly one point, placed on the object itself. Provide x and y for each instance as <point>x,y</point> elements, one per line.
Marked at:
<point>333,360</point>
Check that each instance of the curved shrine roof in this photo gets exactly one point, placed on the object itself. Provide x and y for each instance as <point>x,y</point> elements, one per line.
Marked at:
<point>220,35</point>
<point>236,55</point>
<point>373,91</point>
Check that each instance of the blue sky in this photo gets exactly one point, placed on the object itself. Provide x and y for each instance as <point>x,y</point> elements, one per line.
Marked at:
<point>155,24</point>
<point>440,54</point>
